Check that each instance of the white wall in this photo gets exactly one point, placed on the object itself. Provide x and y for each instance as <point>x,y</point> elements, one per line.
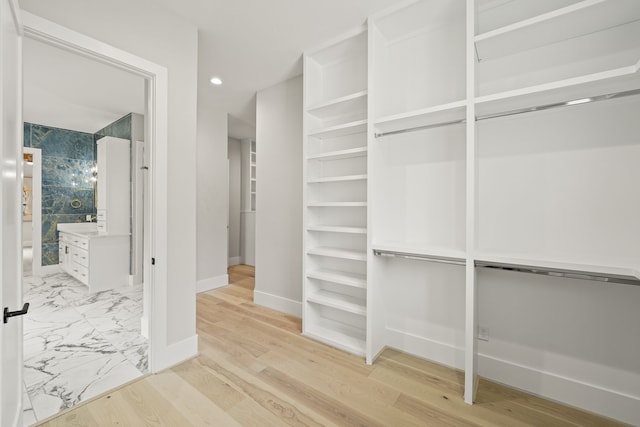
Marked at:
<point>279,197</point>
<point>235,187</point>
<point>144,29</point>
<point>213,199</point>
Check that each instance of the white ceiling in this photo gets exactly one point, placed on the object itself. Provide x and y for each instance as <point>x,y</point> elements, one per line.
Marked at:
<point>249,44</point>
<point>63,89</point>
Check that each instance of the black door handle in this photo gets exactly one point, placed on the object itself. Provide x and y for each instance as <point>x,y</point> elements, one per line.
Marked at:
<point>8,313</point>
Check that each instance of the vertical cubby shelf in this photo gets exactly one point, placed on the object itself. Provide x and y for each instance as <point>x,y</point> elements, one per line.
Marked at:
<point>335,196</point>
<point>417,149</point>
<point>454,147</point>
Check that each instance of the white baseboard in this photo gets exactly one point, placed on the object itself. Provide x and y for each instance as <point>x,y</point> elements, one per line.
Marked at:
<point>212,283</point>
<point>174,354</point>
<point>570,391</point>
<point>278,303</point>
<point>439,352</point>
<point>235,260</point>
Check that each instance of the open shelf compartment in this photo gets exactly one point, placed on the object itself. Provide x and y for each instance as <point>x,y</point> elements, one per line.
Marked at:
<point>584,17</point>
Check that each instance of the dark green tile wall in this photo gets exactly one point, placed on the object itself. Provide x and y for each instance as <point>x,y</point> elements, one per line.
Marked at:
<point>67,159</point>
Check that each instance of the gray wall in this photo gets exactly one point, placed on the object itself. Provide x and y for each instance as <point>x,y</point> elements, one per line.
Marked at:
<point>213,199</point>
<point>279,199</point>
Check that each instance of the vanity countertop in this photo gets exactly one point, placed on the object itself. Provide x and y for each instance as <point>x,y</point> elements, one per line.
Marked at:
<point>85,229</point>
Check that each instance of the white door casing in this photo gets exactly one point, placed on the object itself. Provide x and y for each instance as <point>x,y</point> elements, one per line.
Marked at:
<point>11,221</point>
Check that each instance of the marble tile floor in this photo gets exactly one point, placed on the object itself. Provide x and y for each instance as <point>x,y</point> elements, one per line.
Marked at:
<point>77,344</point>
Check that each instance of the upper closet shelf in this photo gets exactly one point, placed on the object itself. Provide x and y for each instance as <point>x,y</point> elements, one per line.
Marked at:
<point>337,204</point>
<point>423,118</point>
<point>340,154</point>
<point>572,91</point>
<point>409,251</point>
<point>339,277</point>
<point>606,274</point>
<point>339,302</point>
<point>359,126</point>
<point>337,229</point>
<point>344,178</point>
<point>344,105</point>
<point>338,253</point>
<point>585,17</point>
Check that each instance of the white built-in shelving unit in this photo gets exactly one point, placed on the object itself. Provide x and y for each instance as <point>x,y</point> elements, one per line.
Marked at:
<point>335,196</point>
<point>453,146</point>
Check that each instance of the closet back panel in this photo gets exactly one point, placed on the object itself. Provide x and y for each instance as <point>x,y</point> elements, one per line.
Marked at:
<point>338,71</point>
<point>424,300</point>
<point>420,61</point>
<point>355,191</point>
<point>556,184</point>
<point>579,328</point>
<point>592,53</point>
<point>318,146</point>
<point>420,188</point>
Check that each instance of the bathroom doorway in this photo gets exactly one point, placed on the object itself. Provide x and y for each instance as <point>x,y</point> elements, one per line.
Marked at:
<point>78,342</point>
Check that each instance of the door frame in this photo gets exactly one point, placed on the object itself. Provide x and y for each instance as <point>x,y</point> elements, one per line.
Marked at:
<point>156,120</point>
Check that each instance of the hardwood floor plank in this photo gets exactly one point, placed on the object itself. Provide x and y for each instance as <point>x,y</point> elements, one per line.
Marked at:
<point>453,386</point>
<point>536,407</point>
<point>431,414</point>
<point>78,417</point>
<point>287,412</point>
<point>329,407</point>
<point>212,387</point>
<point>452,403</point>
<point>189,401</point>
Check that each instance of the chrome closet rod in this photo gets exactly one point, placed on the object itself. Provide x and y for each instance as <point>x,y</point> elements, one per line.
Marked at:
<point>605,97</point>
<point>419,257</point>
<point>557,272</point>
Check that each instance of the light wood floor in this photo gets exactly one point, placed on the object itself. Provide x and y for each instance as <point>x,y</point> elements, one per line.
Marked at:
<point>255,369</point>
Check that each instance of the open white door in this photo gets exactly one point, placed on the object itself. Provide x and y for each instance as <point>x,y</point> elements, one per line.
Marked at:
<point>10,214</point>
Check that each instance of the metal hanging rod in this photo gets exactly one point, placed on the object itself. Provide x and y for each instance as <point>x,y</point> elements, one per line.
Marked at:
<point>580,101</point>
<point>420,257</point>
<point>556,272</point>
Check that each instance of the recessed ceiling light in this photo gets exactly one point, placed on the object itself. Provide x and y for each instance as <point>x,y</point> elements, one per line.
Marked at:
<point>216,81</point>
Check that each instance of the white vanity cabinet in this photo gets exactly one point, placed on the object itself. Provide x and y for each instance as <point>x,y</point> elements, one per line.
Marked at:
<point>98,261</point>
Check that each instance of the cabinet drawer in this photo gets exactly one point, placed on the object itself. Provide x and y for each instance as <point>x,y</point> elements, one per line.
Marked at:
<point>79,242</point>
<point>80,272</point>
<point>80,256</point>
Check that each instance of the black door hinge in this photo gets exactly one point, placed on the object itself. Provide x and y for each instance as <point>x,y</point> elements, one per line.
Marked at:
<point>153,261</point>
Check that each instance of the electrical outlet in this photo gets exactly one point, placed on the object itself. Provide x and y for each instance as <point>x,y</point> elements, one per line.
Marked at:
<point>483,332</point>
